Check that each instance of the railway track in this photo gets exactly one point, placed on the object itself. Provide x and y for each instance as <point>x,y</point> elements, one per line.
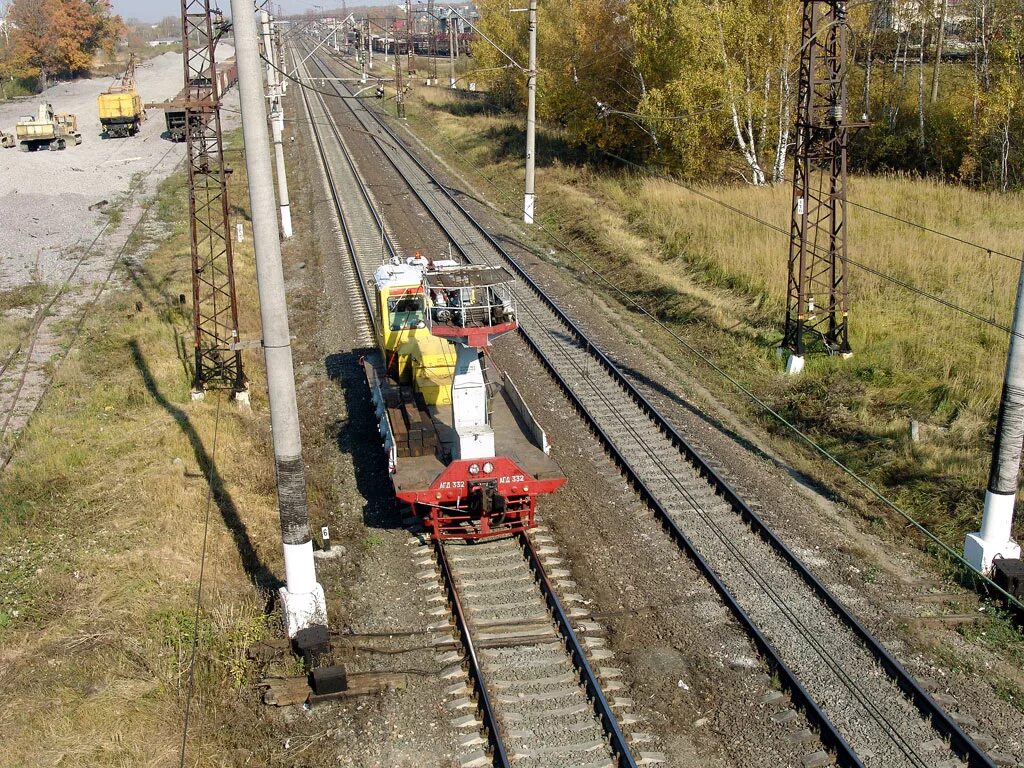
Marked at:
<point>868,709</point>
<point>533,678</point>
<point>25,360</point>
<point>539,698</point>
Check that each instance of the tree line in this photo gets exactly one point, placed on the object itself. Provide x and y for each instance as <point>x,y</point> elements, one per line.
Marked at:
<point>45,40</point>
<point>708,87</point>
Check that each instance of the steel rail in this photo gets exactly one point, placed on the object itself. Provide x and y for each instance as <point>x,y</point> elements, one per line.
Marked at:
<point>475,673</point>
<point>830,734</point>
<point>938,718</point>
<point>572,642</point>
<point>336,197</point>
<point>579,658</point>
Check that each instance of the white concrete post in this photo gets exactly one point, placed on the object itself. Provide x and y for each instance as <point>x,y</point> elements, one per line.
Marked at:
<point>302,599</point>
<point>531,121</point>
<point>994,539</point>
<point>277,123</point>
<point>451,49</point>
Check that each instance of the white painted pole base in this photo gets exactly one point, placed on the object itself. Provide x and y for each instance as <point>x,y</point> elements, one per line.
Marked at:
<point>528,204</point>
<point>303,604</point>
<point>198,394</point>
<point>795,364</point>
<point>241,398</point>
<point>993,540</point>
<point>302,610</point>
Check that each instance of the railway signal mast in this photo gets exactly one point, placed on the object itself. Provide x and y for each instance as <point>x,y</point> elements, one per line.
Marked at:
<point>218,360</point>
<point>817,303</point>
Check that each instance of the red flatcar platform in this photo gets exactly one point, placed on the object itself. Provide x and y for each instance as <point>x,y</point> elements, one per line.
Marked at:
<point>465,498</point>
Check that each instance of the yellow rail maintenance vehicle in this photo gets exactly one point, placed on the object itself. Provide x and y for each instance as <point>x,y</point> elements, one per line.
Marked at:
<point>120,106</point>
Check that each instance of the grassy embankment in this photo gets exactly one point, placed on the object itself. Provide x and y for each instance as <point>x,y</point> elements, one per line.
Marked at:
<point>719,279</point>
<point>17,306</point>
<point>101,526</point>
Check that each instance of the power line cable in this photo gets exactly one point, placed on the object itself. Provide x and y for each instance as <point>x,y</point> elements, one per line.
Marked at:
<point>940,233</point>
<point>904,284</point>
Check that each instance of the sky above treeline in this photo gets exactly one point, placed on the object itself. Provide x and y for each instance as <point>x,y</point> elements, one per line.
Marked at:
<point>154,10</point>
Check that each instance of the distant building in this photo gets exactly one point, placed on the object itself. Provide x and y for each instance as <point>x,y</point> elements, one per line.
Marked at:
<point>902,15</point>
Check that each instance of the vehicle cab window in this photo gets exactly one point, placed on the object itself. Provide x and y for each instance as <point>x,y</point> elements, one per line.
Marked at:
<point>406,312</point>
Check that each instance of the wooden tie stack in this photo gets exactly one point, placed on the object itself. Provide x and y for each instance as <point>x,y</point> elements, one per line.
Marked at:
<point>410,422</point>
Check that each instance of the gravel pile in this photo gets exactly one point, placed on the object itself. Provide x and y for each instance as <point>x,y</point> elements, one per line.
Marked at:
<point>52,201</point>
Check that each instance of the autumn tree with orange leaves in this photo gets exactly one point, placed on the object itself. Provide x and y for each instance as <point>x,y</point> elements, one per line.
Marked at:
<point>58,38</point>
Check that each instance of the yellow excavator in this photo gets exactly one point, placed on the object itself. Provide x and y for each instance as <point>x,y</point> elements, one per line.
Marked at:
<point>120,106</point>
<point>47,129</point>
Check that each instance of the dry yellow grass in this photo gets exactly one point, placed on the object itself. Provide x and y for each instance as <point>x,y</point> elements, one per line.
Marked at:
<point>909,332</point>
<point>101,525</point>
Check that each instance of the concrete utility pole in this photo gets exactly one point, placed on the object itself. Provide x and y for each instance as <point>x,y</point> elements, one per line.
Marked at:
<point>302,599</point>
<point>451,49</point>
<point>531,120</point>
<point>364,36</point>
<point>277,124</point>
<point>369,40</point>
<point>995,537</point>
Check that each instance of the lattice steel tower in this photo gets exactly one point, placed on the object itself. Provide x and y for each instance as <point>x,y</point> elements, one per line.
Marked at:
<point>817,306</point>
<point>214,305</point>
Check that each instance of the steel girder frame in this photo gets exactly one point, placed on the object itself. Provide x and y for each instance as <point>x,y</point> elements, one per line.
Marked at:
<point>214,304</point>
<point>817,308</point>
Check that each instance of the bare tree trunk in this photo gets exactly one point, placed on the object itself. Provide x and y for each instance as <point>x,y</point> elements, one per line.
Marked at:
<point>977,75</point>
<point>1004,165</point>
<point>985,60</point>
<point>870,60</point>
<point>920,90</point>
<point>782,145</point>
<point>896,57</point>
<point>747,144</point>
<point>896,101</point>
<point>939,41</point>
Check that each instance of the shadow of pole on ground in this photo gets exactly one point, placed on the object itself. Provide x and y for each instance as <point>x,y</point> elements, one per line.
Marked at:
<point>258,572</point>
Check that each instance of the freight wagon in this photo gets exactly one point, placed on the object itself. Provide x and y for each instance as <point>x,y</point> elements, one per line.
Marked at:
<point>227,76</point>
